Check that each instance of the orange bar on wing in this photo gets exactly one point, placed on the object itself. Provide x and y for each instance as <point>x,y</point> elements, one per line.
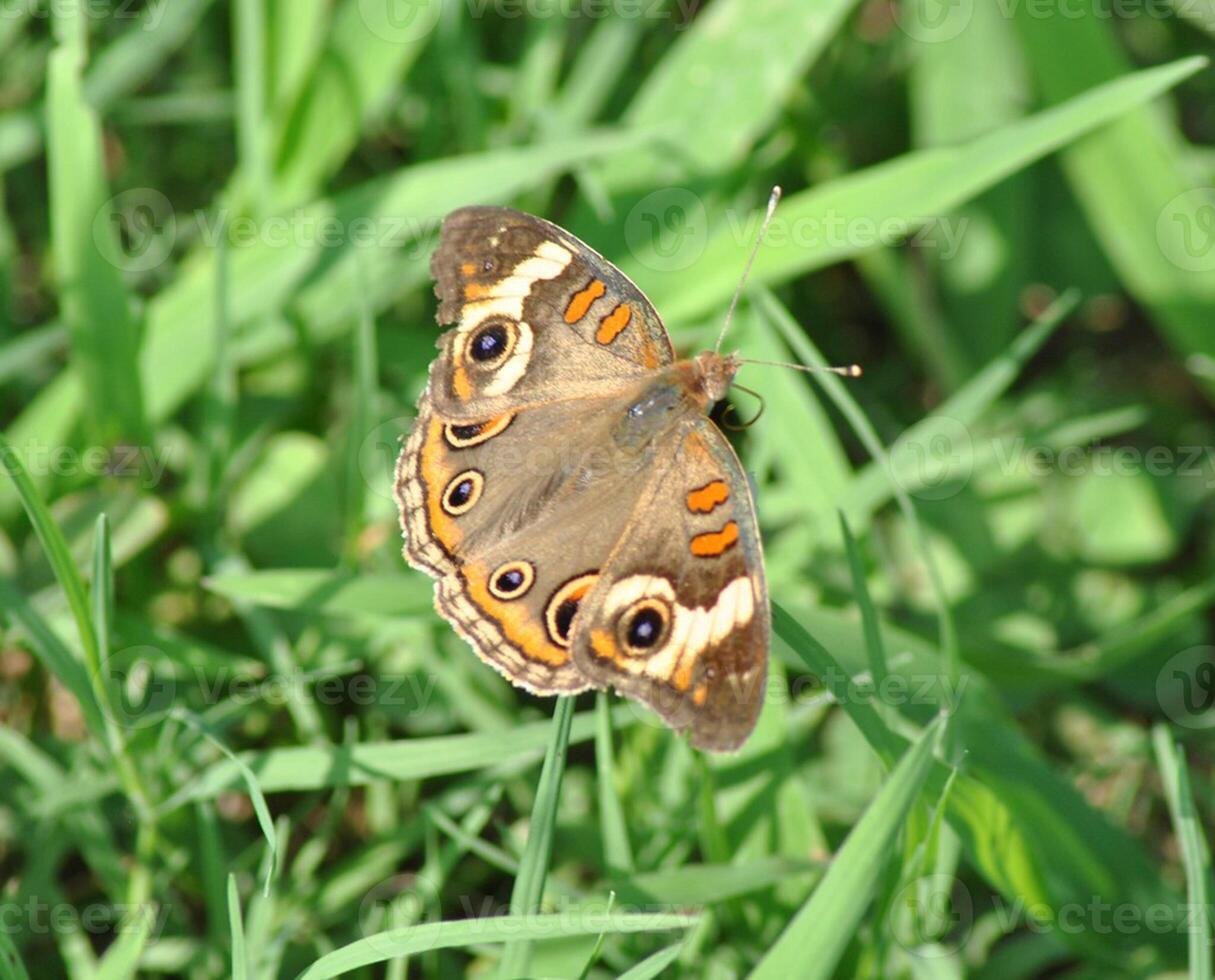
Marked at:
<point>714,543</point>
<point>583,299</point>
<point>612,324</point>
<point>708,497</point>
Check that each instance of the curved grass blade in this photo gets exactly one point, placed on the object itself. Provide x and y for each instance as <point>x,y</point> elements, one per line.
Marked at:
<point>814,941</point>
<point>533,869</point>
<point>1195,852</point>
<point>412,940</point>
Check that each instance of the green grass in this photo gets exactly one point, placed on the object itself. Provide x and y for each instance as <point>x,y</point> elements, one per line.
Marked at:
<point>235,739</point>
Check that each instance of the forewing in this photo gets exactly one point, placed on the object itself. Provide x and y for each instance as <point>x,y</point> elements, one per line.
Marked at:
<point>570,323</point>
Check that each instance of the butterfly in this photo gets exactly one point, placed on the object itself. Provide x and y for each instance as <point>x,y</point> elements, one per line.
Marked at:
<point>588,524</point>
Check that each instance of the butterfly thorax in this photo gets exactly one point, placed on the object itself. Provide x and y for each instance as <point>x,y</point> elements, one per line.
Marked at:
<point>685,388</point>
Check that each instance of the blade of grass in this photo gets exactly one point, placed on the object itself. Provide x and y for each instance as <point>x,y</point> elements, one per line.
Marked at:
<point>363,394</point>
<point>412,940</point>
<point>325,592</point>
<point>869,618</point>
<point>11,966</point>
<point>1195,852</point>
<point>236,928</point>
<point>613,828</point>
<point>899,194</point>
<point>828,920</point>
<point>528,890</point>
<point>252,132</point>
<point>653,964</point>
<point>93,296</point>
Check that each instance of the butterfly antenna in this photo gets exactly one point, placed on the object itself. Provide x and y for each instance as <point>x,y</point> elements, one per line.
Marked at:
<point>846,371</point>
<point>773,200</point>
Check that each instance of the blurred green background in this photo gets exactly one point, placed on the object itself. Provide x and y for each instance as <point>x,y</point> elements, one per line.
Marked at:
<point>237,742</point>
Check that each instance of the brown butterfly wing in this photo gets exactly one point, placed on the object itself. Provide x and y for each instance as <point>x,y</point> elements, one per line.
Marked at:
<point>514,516</point>
<point>679,618</point>
<point>539,316</point>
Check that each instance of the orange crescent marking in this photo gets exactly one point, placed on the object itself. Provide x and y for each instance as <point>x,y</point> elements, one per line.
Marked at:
<point>682,678</point>
<point>468,268</point>
<point>714,543</point>
<point>519,629</point>
<point>612,324</point>
<point>444,529</point>
<point>708,498</point>
<point>460,384</point>
<point>700,695</point>
<point>478,290</point>
<point>604,646</point>
<point>583,299</point>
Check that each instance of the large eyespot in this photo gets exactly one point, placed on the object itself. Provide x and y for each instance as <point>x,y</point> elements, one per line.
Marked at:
<point>462,436</point>
<point>492,342</point>
<point>512,580</point>
<point>563,607</point>
<point>644,626</point>
<point>462,492</point>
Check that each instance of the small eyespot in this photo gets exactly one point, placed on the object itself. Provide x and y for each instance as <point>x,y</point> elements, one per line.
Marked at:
<point>462,436</point>
<point>462,492</point>
<point>487,265</point>
<point>644,627</point>
<point>512,580</point>
<point>563,607</point>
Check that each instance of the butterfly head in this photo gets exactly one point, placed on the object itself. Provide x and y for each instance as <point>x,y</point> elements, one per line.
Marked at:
<point>712,375</point>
